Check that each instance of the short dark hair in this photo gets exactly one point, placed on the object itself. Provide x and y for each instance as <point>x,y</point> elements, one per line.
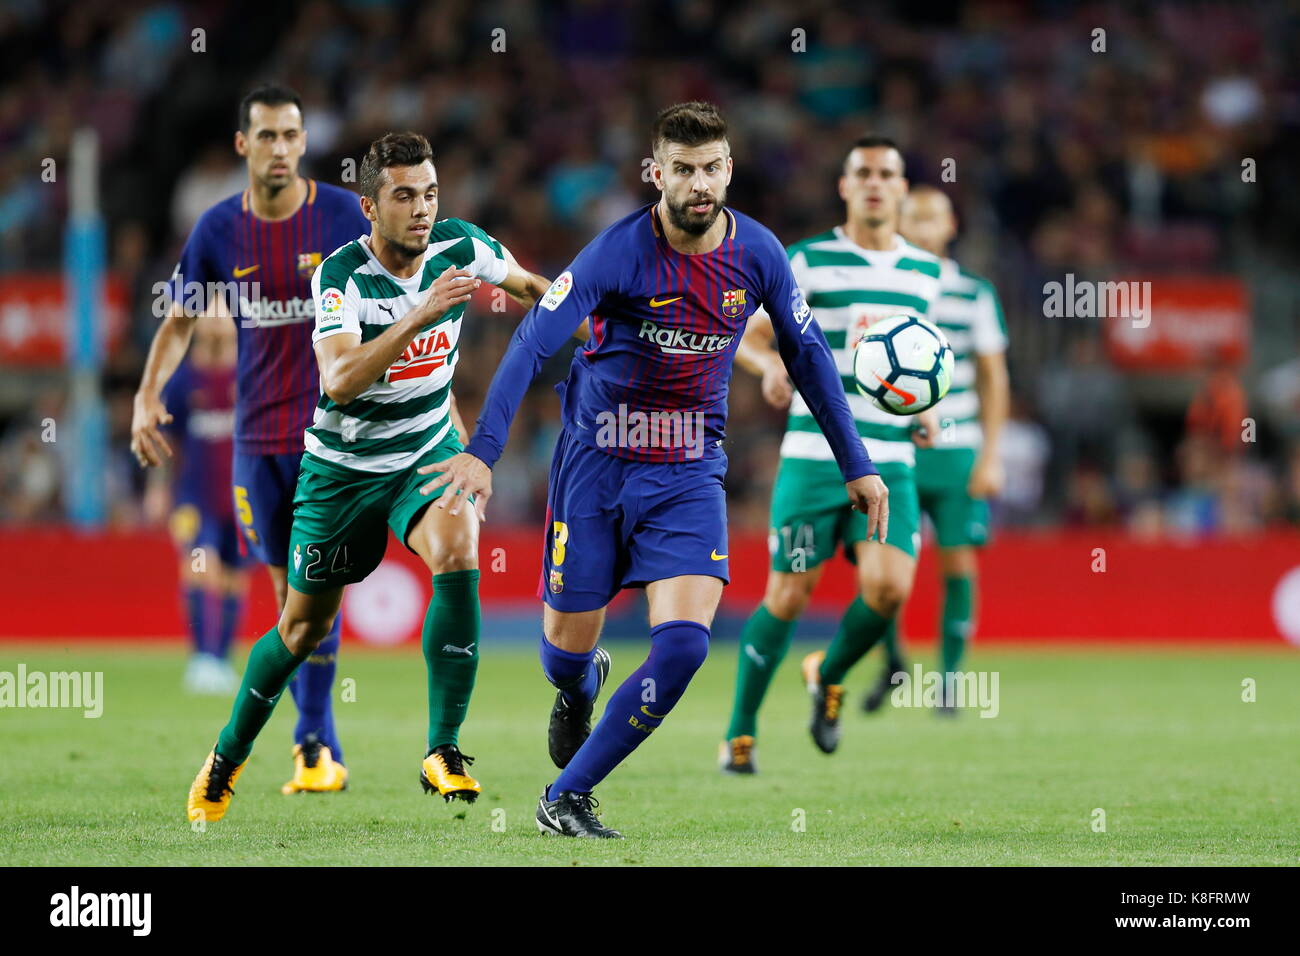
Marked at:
<point>268,94</point>
<point>691,124</point>
<point>393,149</point>
<point>874,141</point>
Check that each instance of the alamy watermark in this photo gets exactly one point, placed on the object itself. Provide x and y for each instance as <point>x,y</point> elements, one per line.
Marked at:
<point>82,690</point>
<point>626,428</point>
<point>241,300</point>
<point>129,910</point>
<point>1084,299</point>
<point>922,688</point>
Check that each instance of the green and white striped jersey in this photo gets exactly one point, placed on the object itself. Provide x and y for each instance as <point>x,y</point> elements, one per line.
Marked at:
<point>406,412</point>
<point>848,289</point>
<point>970,315</point>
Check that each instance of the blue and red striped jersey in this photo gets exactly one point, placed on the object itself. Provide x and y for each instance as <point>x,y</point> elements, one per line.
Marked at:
<point>269,266</point>
<point>202,404</point>
<point>664,330</point>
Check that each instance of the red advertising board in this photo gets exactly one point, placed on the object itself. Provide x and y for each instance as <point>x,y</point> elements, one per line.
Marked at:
<point>1188,321</point>
<point>34,318</point>
<point>1076,586</point>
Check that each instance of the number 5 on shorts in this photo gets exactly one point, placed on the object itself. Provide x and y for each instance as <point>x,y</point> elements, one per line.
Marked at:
<point>244,509</point>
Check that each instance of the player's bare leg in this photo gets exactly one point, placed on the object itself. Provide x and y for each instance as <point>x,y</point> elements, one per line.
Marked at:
<point>303,624</point>
<point>763,646</point>
<point>448,545</point>
<point>577,668</point>
<point>884,578</point>
<point>681,613</point>
<point>892,641</point>
<point>279,575</point>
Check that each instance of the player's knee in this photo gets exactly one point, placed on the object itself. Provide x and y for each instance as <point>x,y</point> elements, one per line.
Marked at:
<point>787,595</point>
<point>303,635</point>
<point>681,650</point>
<point>886,597</point>
<point>957,562</point>
<point>447,553</point>
<point>447,560</point>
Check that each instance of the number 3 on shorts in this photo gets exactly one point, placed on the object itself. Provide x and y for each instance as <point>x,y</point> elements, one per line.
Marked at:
<point>559,538</point>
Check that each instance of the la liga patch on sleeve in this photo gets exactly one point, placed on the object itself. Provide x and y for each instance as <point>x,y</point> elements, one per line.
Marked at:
<point>558,291</point>
<point>331,301</point>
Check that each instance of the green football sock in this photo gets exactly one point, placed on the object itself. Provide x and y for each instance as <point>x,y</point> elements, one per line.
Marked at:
<point>763,644</point>
<point>270,666</point>
<point>450,639</point>
<point>858,632</point>
<point>893,652</point>
<point>958,595</point>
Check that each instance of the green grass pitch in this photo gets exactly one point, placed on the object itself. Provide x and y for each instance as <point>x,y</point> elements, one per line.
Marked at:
<point>1186,772</point>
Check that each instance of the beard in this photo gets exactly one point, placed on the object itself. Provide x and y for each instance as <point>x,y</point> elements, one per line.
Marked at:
<point>411,248</point>
<point>694,223</point>
<point>274,182</point>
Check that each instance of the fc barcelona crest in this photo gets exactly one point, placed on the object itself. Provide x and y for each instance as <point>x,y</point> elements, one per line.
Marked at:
<point>733,303</point>
<point>307,263</point>
<point>557,581</point>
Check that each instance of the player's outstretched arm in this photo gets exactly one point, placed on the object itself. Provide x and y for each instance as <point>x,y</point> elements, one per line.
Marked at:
<point>170,343</point>
<point>546,327</point>
<point>348,368</point>
<point>754,353</point>
<point>869,495</point>
<point>994,390</point>
<point>521,285</point>
<point>527,287</point>
<point>811,365</point>
<point>925,428</point>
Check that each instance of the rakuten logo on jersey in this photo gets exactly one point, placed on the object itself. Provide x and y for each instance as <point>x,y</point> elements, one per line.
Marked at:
<point>422,357</point>
<point>260,313</point>
<point>682,342</point>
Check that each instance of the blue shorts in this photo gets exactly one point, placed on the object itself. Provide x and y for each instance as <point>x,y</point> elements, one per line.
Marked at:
<point>195,527</point>
<point>263,487</point>
<point>612,523</point>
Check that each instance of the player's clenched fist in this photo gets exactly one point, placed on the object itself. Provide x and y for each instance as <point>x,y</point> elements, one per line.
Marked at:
<point>147,443</point>
<point>777,390</point>
<point>869,495</point>
<point>452,288</point>
<point>459,477</point>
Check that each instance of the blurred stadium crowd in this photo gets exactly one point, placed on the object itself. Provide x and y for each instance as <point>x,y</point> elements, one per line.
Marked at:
<point>1066,159</point>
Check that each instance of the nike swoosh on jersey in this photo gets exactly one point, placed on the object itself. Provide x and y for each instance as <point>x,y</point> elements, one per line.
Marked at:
<point>717,557</point>
<point>239,273</point>
<point>656,303</point>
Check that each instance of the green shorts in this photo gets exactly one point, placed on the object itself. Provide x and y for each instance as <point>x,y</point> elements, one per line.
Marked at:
<point>341,517</point>
<point>811,515</point>
<point>942,476</point>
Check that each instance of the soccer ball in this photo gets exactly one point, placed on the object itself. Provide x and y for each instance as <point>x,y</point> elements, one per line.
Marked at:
<point>903,364</point>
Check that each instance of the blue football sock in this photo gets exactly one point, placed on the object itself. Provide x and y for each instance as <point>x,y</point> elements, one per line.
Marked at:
<point>572,673</point>
<point>196,616</point>
<point>312,687</point>
<point>677,649</point>
<point>232,605</point>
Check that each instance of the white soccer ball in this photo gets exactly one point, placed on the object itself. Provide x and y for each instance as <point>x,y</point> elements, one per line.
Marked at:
<point>903,364</point>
